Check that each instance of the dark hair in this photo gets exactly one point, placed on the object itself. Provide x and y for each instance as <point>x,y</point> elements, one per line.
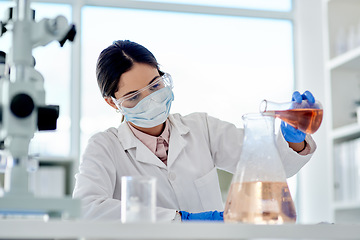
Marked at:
<point>117,59</point>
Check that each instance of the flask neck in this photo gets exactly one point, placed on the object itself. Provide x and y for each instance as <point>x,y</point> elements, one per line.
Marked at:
<point>259,159</point>
<point>268,106</point>
<point>258,126</point>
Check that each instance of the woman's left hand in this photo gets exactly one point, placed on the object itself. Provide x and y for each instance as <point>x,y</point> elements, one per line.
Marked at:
<point>202,216</point>
<point>290,133</point>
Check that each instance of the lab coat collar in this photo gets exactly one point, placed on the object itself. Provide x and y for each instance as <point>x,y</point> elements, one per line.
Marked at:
<point>177,124</point>
<point>126,136</point>
<point>141,153</point>
<point>136,148</point>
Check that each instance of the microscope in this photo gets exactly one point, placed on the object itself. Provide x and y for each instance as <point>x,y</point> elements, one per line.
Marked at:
<point>23,110</point>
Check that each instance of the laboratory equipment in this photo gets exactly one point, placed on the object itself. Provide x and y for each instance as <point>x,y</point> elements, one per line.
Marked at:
<point>23,110</point>
<point>305,116</point>
<point>138,199</point>
<point>259,193</point>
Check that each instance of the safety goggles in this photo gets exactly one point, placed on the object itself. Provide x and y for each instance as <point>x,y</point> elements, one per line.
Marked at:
<point>131,100</point>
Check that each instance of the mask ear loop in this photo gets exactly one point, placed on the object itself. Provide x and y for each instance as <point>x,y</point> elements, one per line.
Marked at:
<point>122,117</point>
<point>118,111</point>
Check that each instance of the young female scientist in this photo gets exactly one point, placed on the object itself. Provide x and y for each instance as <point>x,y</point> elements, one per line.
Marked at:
<point>182,152</point>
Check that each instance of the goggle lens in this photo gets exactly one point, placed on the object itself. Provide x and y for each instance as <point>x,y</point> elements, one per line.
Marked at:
<point>133,99</point>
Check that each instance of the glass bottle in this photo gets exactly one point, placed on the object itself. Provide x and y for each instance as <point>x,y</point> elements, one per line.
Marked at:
<point>259,193</point>
<point>304,116</point>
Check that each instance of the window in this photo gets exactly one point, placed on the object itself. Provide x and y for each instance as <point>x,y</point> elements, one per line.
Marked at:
<point>221,65</point>
<point>273,5</point>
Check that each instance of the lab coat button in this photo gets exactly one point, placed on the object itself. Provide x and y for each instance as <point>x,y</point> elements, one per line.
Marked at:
<point>172,176</point>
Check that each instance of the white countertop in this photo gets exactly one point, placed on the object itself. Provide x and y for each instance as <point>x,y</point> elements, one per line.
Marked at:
<point>75,229</point>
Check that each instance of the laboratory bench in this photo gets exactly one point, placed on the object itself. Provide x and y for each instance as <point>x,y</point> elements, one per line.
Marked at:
<point>79,229</point>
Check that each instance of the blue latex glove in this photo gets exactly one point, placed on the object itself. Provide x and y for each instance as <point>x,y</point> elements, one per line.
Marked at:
<point>290,133</point>
<point>202,216</point>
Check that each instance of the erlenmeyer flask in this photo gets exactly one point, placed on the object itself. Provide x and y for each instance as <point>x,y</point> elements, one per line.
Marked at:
<point>305,116</point>
<point>259,192</point>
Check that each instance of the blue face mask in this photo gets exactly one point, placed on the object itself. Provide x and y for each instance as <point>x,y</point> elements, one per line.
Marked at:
<point>151,111</point>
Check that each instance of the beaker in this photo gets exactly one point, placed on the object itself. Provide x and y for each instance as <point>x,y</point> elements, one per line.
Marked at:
<point>305,116</point>
<point>259,193</point>
<point>138,199</point>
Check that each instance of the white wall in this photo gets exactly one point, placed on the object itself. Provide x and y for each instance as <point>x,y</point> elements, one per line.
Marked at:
<point>315,188</point>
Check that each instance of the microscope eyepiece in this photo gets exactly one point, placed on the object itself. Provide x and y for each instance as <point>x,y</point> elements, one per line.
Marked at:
<point>22,105</point>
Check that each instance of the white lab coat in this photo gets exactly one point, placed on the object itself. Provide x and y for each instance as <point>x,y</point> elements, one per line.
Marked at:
<point>199,144</point>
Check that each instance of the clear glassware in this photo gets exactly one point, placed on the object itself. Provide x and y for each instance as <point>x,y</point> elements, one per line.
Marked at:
<point>304,116</point>
<point>259,193</point>
<point>138,199</point>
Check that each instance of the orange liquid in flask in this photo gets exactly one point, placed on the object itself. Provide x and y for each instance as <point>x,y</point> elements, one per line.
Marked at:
<point>307,120</point>
<point>260,203</point>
